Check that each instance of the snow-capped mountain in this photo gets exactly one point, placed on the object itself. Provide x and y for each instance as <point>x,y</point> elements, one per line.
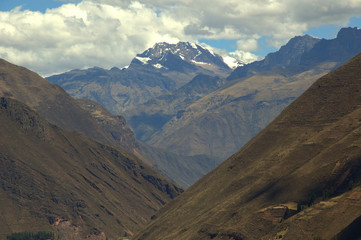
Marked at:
<point>163,68</point>
<point>179,56</point>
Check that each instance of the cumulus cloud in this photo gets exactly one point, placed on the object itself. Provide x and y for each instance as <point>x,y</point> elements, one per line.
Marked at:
<point>83,35</point>
<point>249,45</point>
<point>110,33</point>
<point>235,57</point>
<point>245,57</point>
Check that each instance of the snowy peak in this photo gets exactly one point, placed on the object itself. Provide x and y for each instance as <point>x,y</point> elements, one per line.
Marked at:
<point>165,55</point>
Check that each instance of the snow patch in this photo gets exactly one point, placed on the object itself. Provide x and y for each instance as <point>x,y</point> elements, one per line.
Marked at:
<point>194,45</point>
<point>144,60</point>
<point>158,65</point>
<point>199,53</point>
<point>202,63</point>
<point>211,52</point>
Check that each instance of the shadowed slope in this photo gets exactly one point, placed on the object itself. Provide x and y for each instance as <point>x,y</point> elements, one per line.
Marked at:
<point>64,182</point>
<point>311,149</point>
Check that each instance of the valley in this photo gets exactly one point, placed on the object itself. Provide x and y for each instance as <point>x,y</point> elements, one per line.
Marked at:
<point>180,145</point>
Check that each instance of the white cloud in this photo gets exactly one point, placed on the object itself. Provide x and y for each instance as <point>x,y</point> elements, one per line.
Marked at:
<point>249,45</point>
<point>110,33</point>
<point>83,35</point>
<point>229,57</point>
<point>245,57</point>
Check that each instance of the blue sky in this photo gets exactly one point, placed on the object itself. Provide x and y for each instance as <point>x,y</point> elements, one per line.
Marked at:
<point>33,5</point>
<point>327,31</point>
<point>52,36</point>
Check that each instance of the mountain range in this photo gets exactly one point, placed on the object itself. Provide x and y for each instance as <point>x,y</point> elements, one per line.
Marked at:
<point>211,115</point>
<point>299,178</point>
<point>156,71</point>
<point>215,116</point>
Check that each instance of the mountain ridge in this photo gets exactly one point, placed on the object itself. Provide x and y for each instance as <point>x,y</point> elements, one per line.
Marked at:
<point>307,51</point>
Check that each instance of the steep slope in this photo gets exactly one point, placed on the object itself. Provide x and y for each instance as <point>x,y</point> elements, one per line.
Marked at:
<point>158,70</point>
<point>49,100</point>
<point>221,122</point>
<point>310,152</point>
<point>66,183</point>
